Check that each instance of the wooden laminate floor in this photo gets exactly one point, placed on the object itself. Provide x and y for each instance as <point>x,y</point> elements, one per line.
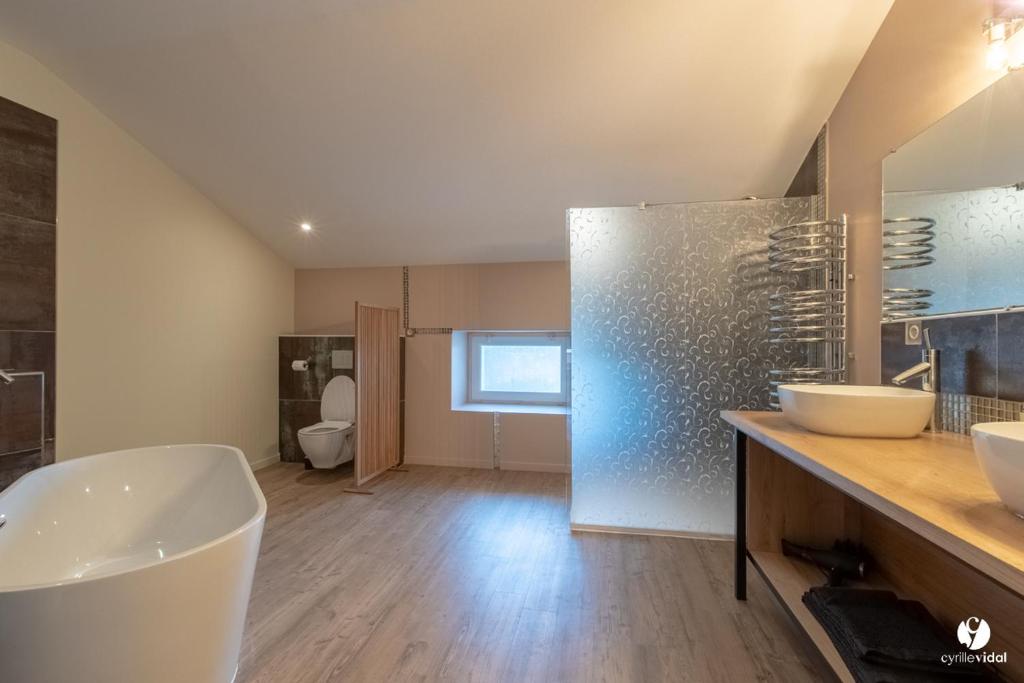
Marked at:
<point>473,575</point>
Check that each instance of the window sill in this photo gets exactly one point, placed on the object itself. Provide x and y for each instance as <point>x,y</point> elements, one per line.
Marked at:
<point>510,408</point>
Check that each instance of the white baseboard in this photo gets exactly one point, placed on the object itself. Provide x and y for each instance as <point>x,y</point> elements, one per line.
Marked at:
<point>265,462</point>
<point>522,466</point>
<point>600,529</point>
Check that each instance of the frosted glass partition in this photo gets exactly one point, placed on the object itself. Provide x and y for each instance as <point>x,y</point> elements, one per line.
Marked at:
<point>669,327</point>
<point>979,235</point>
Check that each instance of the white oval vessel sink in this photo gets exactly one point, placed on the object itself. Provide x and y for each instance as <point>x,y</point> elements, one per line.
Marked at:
<point>1000,450</point>
<point>850,410</point>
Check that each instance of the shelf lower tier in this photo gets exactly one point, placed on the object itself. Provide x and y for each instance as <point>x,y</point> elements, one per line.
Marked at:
<point>789,580</point>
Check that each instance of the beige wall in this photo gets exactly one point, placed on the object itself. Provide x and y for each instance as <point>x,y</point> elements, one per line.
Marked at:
<point>168,311</point>
<point>927,59</point>
<point>489,296</point>
<point>325,299</point>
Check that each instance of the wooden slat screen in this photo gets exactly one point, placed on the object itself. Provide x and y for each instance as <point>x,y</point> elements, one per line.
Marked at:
<point>377,391</point>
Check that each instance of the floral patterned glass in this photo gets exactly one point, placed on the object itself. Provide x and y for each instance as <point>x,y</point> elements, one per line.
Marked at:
<point>669,327</point>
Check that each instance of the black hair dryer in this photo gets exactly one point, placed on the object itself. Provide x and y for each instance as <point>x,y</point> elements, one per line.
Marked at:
<point>844,561</point>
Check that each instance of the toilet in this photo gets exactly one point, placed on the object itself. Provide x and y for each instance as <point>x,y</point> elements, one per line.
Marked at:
<point>331,441</point>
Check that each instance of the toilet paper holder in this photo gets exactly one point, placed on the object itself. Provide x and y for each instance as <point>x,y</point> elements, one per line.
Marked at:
<point>302,365</point>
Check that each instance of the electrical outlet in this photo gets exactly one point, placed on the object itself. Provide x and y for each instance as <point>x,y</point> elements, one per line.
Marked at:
<point>912,333</point>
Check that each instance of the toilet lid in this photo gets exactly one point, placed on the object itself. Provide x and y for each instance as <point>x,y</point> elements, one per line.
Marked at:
<point>339,400</point>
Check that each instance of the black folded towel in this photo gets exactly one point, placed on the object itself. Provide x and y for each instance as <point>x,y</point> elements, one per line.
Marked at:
<point>884,639</point>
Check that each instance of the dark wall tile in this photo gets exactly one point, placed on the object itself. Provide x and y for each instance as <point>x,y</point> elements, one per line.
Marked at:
<point>309,385</point>
<point>28,163</point>
<point>805,182</point>
<point>28,264</point>
<point>401,369</point>
<point>967,353</point>
<point>896,355</point>
<point>27,194</point>
<point>1011,355</point>
<point>29,352</point>
<point>21,412</point>
<point>300,392</point>
<point>12,466</point>
<point>293,415</point>
<point>27,137</point>
<point>401,430</point>
<point>28,211</point>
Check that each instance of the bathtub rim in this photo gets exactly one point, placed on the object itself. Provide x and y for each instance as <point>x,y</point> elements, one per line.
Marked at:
<point>258,517</point>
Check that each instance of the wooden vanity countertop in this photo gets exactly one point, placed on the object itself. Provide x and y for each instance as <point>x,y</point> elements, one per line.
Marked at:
<point>931,484</point>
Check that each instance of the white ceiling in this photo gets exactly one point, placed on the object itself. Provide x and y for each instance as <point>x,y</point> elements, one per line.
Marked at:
<point>451,131</point>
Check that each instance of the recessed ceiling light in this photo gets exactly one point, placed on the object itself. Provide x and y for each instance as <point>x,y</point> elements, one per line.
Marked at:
<point>306,227</point>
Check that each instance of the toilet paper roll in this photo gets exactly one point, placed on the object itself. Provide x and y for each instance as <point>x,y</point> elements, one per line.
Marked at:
<point>300,365</point>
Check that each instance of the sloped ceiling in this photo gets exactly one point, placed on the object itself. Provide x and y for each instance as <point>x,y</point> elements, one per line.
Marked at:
<point>448,131</point>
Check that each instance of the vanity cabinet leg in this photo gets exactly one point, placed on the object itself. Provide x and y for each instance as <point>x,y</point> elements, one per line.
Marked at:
<point>741,516</point>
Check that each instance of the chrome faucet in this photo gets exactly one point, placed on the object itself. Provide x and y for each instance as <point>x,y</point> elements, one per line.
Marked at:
<point>928,371</point>
<point>5,378</point>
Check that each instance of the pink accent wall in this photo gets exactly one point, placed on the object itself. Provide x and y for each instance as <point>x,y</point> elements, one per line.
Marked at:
<point>500,296</point>
<point>927,59</point>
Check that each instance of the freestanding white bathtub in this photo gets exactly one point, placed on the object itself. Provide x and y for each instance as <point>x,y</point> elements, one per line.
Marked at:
<point>129,567</point>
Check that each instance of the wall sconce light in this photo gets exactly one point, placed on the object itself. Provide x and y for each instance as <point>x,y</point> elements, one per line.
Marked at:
<point>1004,54</point>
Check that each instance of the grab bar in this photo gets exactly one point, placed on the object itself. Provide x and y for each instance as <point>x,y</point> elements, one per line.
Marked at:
<point>5,378</point>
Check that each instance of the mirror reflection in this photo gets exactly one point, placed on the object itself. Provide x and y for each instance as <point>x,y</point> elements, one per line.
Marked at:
<point>954,210</point>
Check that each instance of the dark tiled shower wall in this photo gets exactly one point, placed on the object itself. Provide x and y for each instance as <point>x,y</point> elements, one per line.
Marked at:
<point>980,355</point>
<point>28,232</point>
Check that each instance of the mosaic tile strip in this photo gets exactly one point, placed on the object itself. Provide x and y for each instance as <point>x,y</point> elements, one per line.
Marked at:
<point>413,331</point>
<point>958,412</point>
<point>405,298</point>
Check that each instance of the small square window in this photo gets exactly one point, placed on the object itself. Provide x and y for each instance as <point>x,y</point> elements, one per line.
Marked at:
<point>517,368</point>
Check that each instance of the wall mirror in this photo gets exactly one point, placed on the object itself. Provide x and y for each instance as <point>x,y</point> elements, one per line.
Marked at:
<point>953,210</point>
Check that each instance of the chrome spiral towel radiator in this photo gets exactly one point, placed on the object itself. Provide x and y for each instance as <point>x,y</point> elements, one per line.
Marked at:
<point>810,313</point>
<point>907,245</point>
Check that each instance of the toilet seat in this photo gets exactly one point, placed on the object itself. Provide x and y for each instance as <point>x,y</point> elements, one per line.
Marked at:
<point>325,427</point>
